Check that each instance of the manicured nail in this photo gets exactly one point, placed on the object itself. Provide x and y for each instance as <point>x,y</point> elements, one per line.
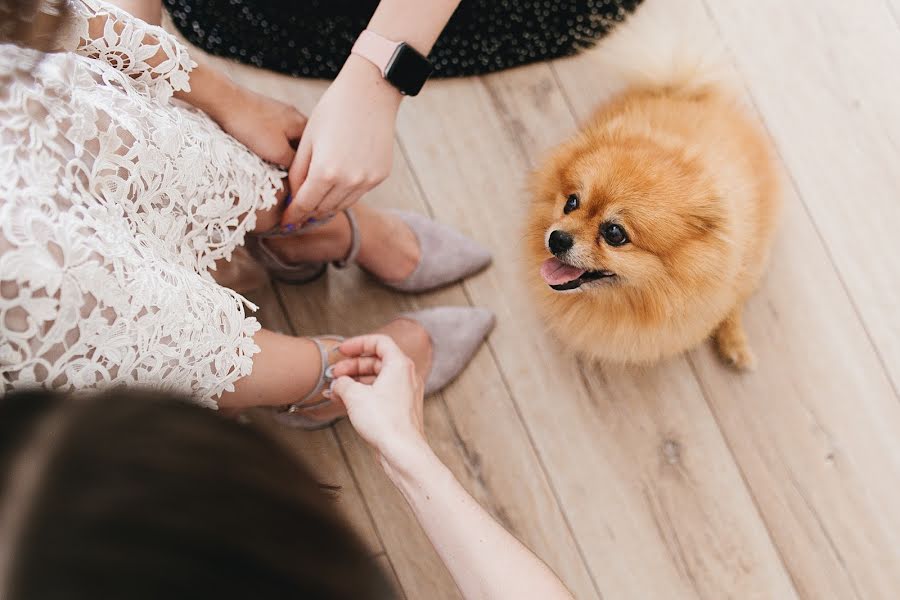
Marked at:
<point>329,372</point>
<point>289,227</point>
<point>287,201</point>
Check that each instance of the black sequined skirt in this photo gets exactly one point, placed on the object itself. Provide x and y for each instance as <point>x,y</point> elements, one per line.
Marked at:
<point>312,38</point>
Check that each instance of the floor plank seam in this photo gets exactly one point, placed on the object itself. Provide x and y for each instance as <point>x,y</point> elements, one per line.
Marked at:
<point>563,92</point>
<point>795,186</point>
<point>750,492</point>
<point>828,538</point>
<point>540,459</point>
<point>501,111</point>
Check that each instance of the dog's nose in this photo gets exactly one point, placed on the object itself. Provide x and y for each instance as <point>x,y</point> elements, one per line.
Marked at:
<point>560,242</point>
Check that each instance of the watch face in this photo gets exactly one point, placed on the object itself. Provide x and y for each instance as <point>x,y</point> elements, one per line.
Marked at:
<point>408,70</point>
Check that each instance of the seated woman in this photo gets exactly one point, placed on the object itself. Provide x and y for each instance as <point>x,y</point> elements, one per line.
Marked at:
<point>127,172</point>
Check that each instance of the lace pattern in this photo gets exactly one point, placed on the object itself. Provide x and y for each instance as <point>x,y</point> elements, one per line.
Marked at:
<point>115,202</point>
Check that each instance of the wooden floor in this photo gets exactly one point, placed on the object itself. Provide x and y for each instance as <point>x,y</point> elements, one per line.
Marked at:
<point>686,480</point>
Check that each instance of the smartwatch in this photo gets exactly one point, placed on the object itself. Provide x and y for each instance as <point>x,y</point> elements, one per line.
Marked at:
<point>400,64</point>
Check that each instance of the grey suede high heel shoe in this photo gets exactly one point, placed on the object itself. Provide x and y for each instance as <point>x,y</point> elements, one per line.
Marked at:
<point>455,332</point>
<point>445,255</point>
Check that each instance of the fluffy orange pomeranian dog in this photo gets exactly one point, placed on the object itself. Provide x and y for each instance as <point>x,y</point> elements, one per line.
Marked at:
<point>652,226</point>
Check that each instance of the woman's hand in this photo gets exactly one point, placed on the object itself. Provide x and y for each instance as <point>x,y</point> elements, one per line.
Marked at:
<point>347,148</point>
<point>387,413</point>
<point>269,128</point>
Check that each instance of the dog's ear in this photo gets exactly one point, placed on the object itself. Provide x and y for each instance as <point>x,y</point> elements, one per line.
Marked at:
<point>708,218</point>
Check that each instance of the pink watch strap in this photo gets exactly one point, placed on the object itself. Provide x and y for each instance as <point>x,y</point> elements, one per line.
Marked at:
<point>376,49</point>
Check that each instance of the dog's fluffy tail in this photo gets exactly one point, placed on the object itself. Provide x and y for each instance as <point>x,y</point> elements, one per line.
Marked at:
<point>667,45</point>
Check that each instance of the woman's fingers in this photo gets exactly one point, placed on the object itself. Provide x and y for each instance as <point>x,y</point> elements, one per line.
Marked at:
<point>307,199</point>
<point>296,178</point>
<point>357,367</point>
<point>375,344</point>
<point>351,199</point>
<point>349,390</point>
<point>332,201</point>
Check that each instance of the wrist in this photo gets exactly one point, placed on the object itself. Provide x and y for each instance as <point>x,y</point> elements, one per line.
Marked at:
<point>407,461</point>
<point>212,91</point>
<point>370,81</point>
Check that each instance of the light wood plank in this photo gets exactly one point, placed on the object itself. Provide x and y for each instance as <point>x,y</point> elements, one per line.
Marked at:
<point>655,501</point>
<point>825,82</point>
<point>479,436</point>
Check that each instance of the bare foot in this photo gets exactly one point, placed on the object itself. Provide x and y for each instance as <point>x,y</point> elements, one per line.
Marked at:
<point>388,248</point>
<point>412,339</point>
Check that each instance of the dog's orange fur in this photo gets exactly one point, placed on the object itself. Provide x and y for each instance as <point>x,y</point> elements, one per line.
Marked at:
<point>691,178</point>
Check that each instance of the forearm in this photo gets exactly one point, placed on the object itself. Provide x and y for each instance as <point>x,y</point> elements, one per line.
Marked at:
<point>416,22</point>
<point>486,562</point>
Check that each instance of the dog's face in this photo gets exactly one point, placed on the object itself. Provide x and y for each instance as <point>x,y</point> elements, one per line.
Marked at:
<point>630,216</point>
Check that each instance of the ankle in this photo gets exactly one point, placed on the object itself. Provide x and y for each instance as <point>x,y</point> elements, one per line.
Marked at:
<point>325,243</point>
<point>387,246</point>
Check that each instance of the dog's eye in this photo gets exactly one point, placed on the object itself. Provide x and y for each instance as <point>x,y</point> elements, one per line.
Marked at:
<point>571,203</point>
<point>614,234</point>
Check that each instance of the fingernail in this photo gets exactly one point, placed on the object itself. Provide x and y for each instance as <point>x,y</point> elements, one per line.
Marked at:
<point>289,227</point>
<point>287,201</point>
<point>329,372</point>
<point>327,393</point>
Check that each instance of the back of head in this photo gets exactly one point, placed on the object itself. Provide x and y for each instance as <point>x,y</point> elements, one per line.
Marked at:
<point>136,495</point>
<point>31,23</point>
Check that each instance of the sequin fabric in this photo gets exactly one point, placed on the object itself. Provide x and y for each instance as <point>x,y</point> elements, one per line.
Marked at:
<point>313,38</point>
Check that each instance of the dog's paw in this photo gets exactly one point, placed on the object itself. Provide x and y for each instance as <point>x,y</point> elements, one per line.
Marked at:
<point>739,356</point>
<point>731,341</point>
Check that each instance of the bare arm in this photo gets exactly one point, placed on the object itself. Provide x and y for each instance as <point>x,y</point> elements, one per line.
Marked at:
<point>348,147</point>
<point>486,562</point>
<point>416,22</point>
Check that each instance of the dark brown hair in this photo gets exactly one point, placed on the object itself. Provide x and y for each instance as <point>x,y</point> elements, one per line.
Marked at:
<point>141,495</point>
<point>32,23</point>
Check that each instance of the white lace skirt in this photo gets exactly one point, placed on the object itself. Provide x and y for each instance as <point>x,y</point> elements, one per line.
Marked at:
<point>114,206</point>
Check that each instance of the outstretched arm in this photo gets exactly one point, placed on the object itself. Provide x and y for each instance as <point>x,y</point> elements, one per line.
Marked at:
<point>486,562</point>
<point>348,147</point>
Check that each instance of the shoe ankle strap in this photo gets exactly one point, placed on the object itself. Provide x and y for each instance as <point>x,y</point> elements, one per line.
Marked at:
<point>325,377</point>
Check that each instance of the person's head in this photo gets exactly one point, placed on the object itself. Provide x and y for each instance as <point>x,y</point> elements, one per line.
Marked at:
<point>141,495</point>
<point>32,23</point>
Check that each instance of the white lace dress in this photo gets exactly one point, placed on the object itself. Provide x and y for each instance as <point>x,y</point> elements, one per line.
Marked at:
<point>115,202</point>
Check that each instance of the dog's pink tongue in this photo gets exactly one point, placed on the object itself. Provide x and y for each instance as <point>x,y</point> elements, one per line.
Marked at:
<point>556,272</point>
